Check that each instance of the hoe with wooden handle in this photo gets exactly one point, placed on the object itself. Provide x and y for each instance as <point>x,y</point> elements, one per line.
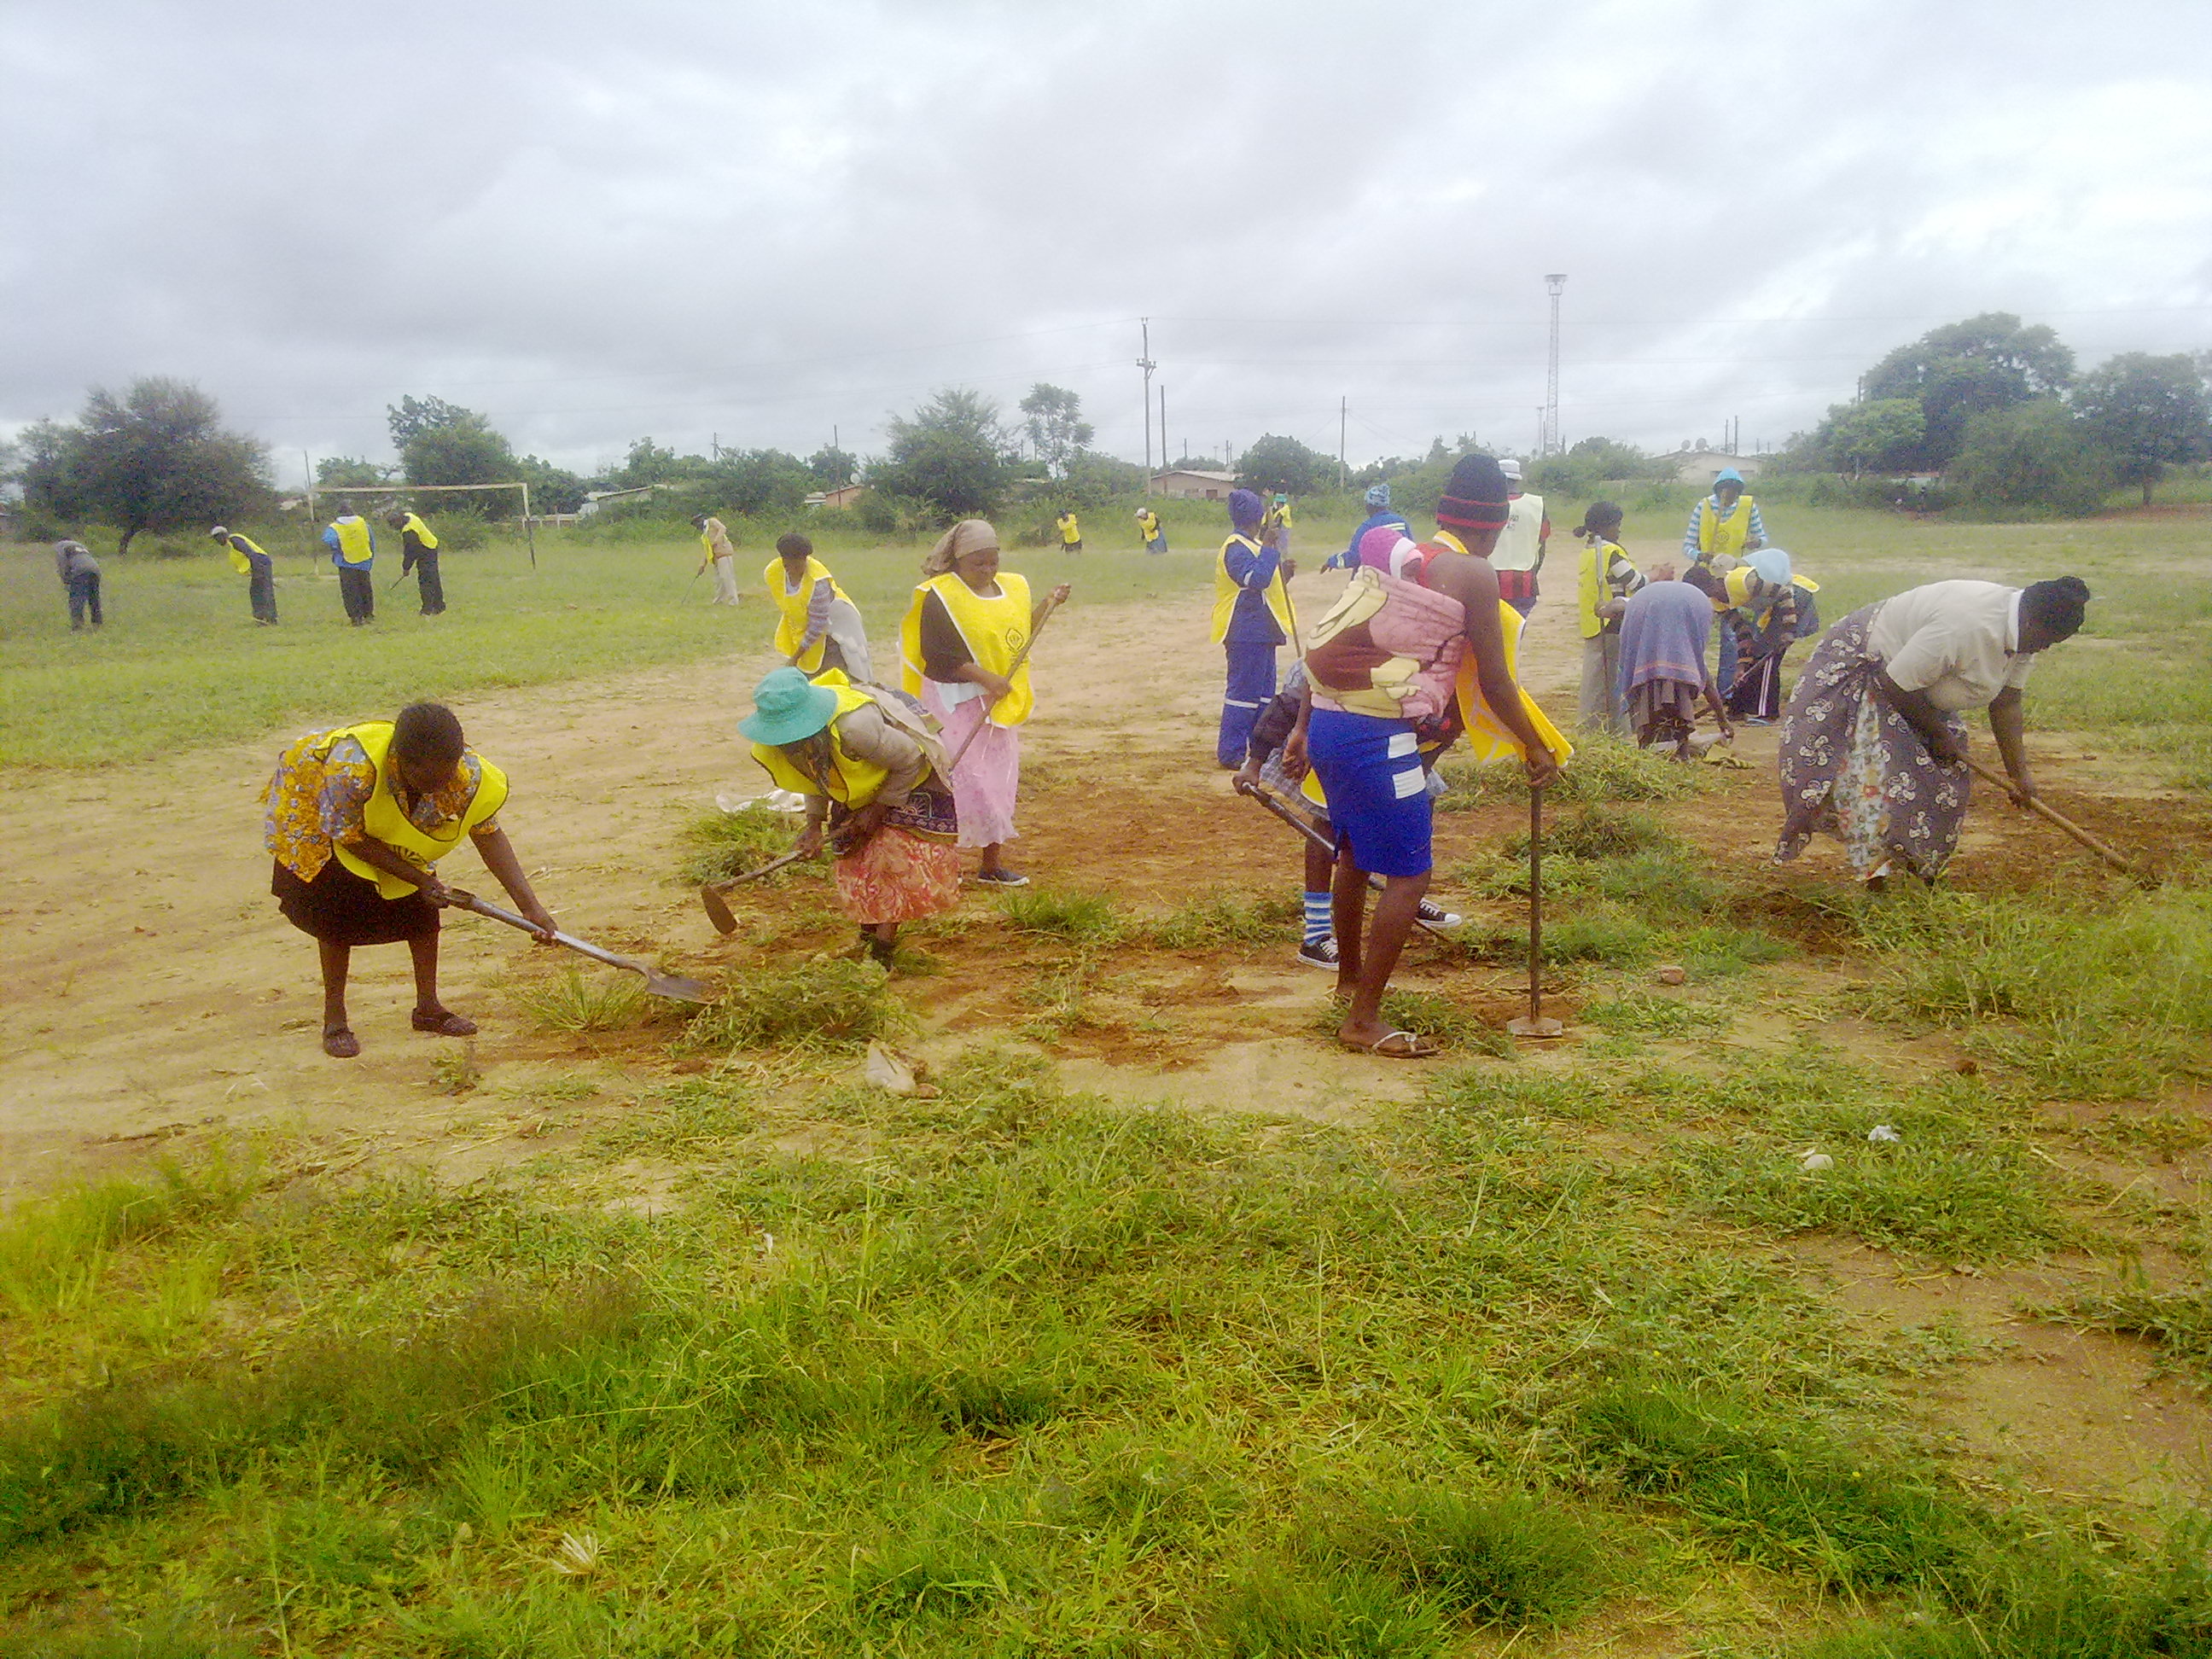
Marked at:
<point>1535,1022</point>
<point>672,986</point>
<point>2051,814</point>
<point>711,894</point>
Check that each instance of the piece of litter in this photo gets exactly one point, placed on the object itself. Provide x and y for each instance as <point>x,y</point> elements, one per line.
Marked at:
<point>886,1071</point>
<point>1882,1135</point>
<point>1813,1162</point>
<point>1670,974</point>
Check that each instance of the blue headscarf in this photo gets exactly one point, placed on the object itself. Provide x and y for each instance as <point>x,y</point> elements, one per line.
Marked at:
<point>1378,497</point>
<point>1728,474</point>
<point>1245,507</point>
<point>1770,565</point>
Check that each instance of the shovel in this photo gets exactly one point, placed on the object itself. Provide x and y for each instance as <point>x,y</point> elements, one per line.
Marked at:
<point>675,987</point>
<point>711,894</point>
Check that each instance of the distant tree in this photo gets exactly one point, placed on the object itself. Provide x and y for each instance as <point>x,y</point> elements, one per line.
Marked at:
<point>442,443</point>
<point>1592,465</point>
<point>2149,413</point>
<point>649,463</point>
<point>350,472</point>
<point>2032,455</point>
<point>1058,433</point>
<point>1883,436</point>
<point>1985,363</point>
<point>552,489</point>
<point>158,458</point>
<point>1284,467</point>
<point>757,481</point>
<point>833,468</point>
<point>953,453</point>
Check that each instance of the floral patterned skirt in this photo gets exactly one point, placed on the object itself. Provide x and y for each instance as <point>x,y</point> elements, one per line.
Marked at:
<point>897,876</point>
<point>1854,768</point>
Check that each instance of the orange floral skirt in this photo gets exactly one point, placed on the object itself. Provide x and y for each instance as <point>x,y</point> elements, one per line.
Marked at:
<point>897,876</point>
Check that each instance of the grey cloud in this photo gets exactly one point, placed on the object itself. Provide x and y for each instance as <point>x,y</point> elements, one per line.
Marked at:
<point>761,220</point>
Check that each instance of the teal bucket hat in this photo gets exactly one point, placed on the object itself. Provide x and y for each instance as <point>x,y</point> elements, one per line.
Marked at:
<point>787,706</point>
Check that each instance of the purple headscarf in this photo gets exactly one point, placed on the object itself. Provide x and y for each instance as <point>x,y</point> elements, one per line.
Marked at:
<point>1245,507</point>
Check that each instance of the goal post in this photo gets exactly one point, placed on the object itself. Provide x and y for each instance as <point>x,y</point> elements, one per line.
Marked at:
<point>392,493</point>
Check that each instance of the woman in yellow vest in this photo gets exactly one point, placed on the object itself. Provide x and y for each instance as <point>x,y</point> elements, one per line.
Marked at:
<point>968,623</point>
<point>357,817</point>
<point>817,628</point>
<point>418,552</point>
<point>870,771</point>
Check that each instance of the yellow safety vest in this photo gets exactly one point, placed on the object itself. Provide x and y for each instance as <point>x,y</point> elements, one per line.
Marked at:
<point>239,562</point>
<point>1070,531</point>
<point>1488,737</point>
<point>355,543</point>
<point>1596,586</point>
<point>1724,535</point>
<point>1225,591</point>
<point>1148,525</point>
<point>423,533</point>
<point>791,628</point>
<point>853,782</point>
<point>993,630</point>
<point>382,818</point>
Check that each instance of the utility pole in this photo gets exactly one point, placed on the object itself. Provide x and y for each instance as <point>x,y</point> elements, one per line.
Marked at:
<point>838,450</point>
<point>1163,428</point>
<point>1554,284</point>
<point>1145,361</point>
<point>1343,413</point>
<point>714,445</point>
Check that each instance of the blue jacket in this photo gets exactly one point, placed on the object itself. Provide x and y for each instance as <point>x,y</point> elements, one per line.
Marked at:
<point>1251,623</point>
<point>1349,559</point>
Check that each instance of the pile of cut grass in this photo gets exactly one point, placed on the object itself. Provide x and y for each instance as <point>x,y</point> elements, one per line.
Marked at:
<point>726,844</point>
<point>1601,769</point>
<point>826,1002</point>
<point>574,1002</point>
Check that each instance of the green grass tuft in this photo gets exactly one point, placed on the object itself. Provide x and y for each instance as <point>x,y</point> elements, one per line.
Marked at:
<point>1085,918</point>
<point>726,844</point>
<point>574,1002</point>
<point>1275,1611</point>
<point>1510,1560</point>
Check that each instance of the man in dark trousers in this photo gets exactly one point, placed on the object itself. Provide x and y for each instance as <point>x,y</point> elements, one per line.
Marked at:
<point>418,551</point>
<point>352,551</point>
<point>80,575</point>
<point>251,561</point>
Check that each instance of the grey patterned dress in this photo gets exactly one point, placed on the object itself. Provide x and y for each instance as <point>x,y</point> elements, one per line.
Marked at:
<point>1853,766</point>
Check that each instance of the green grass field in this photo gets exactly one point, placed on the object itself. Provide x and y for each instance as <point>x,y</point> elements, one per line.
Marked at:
<point>1541,1362</point>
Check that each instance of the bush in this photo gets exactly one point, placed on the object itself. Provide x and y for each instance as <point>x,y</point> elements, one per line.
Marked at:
<point>2034,457</point>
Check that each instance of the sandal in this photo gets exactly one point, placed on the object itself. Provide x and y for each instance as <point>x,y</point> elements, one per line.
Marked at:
<point>339,1043</point>
<point>442,1022</point>
<point>1395,1045</point>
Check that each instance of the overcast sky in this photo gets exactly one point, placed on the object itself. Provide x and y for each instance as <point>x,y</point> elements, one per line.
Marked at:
<point>759,222</point>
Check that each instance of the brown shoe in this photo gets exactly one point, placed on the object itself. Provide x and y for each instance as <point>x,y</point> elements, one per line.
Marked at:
<point>339,1043</point>
<point>442,1022</point>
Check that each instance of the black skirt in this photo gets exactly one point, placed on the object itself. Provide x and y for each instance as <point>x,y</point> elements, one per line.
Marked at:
<point>339,908</point>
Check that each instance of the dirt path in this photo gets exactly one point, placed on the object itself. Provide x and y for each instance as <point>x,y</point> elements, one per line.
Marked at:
<point>157,987</point>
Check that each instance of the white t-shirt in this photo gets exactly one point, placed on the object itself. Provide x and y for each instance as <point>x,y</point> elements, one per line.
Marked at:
<point>1518,541</point>
<point>1956,640</point>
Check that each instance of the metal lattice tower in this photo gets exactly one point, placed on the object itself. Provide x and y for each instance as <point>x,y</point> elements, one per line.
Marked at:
<point>1554,284</point>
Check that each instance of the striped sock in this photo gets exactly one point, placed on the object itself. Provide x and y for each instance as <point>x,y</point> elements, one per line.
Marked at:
<point>1318,919</point>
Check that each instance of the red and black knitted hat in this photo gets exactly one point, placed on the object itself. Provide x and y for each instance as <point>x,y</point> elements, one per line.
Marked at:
<point>1476,497</point>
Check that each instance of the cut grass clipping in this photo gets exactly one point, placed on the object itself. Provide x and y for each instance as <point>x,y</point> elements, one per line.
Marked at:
<point>830,1002</point>
<point>577,1001</point>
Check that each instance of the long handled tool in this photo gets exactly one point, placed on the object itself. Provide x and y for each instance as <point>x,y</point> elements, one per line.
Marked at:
<point>1014,668</point>
<point>711,894</point>
<point>672,986</point>
<point>1535,1022</point>
<point>2051,814</point>
<point>1269,798</point>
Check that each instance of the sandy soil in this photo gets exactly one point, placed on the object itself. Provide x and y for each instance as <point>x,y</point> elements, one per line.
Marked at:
<point>155,993</point>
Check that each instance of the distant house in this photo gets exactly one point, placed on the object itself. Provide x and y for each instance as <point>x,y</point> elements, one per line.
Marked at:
<point>1194,486</point>
<point>840,497</point>
<point>1696,466</point>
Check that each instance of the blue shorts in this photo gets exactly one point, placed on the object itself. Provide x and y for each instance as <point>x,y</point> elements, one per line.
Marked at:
<point>1378,795</point>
